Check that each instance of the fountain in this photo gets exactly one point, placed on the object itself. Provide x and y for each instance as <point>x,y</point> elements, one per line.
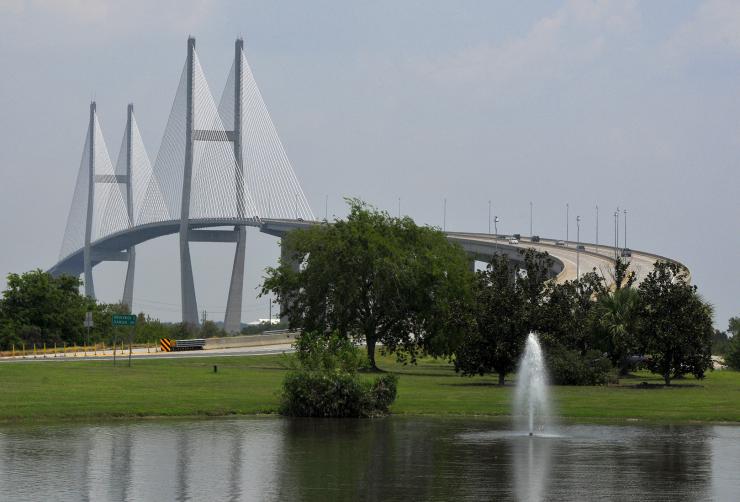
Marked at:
<point>532,402</point>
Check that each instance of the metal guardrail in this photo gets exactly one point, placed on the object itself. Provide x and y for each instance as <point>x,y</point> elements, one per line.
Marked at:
<point>279,331</point>
<point>193,344</point>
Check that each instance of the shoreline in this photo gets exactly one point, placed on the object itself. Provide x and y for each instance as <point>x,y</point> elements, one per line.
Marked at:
<point>559,420</point>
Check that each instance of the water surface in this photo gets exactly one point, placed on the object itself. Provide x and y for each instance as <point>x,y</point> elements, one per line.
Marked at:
<point>395,458</point>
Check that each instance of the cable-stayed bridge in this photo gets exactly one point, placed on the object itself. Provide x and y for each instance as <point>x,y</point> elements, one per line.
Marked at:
<point>220,164</point>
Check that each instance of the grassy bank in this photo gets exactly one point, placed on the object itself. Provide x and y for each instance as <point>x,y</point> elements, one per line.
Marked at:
<point>249,385</point>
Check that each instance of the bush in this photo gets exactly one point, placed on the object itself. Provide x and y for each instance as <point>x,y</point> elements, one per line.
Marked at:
<point>336,394</point>
<point>324,381</point>
<point>732,354</point>
<point>569,367</point>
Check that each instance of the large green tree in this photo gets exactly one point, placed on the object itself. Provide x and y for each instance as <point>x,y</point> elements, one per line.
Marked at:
<point>507,297</point>
<point>37,307</point>
<point>376,279</point>
<point>732,350</point>
<point>565,316</point>
<point>675,323</point>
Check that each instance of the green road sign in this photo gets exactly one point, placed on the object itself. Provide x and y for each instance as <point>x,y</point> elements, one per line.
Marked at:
<point>124,320</point>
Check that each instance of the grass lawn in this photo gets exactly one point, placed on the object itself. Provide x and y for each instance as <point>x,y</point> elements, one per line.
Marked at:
<point>250,385</point>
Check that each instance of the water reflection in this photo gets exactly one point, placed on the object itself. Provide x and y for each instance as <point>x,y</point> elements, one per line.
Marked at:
<point>387,459</point>
<point>532,467</point>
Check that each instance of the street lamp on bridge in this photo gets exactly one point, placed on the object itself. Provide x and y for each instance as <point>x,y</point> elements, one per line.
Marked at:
<point>578,247</point>
<point>495,230</point>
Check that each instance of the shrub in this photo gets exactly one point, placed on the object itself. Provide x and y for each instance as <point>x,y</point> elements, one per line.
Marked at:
<point>569,367</point>
<point>336,394</point>
<point>324,381</point>
<point>732,354</point>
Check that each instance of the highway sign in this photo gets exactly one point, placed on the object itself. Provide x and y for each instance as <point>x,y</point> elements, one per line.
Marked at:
<point>124,320</point>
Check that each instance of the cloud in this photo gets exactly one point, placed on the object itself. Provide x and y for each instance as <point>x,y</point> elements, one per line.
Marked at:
<point>555,47</point>
<point>100,19</point>
<point>713,27</point>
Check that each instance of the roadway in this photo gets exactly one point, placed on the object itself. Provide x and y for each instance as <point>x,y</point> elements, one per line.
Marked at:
<point>140,353</point>
<point>601,258</point>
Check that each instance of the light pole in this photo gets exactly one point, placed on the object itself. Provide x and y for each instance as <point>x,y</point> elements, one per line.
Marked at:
<point>399,207</point>
<point>530,219</point>
<point>597,228</point>
<point>616,226</point>
<point>489,217</point>
<point>326,208</point>
<point>567,223</point>
<point>617,229</point>
<point>625,229</point>
<point>495,230</point>
<point>444,215</point>
<point>578,247</point>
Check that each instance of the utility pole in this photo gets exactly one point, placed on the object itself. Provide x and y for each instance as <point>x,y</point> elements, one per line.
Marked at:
<point>530,219</point>
<point>399,207</point>
<point>326,208</point>
<point>567,223</point>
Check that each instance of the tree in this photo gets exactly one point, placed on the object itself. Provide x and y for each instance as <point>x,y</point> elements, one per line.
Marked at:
<point>565,316</point>
<point>50,309</point>
<point>732,352</point>
<point>734,326</point>
<point>621,275</point>
<point>506,298</point>
<point>675,329</point>
<point>375,279</point>
<point>615,323</point>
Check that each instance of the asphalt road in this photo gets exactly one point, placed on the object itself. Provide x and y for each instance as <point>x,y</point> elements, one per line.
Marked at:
<point>141,353</point>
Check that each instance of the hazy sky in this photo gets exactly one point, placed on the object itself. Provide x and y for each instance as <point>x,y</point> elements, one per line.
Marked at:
<point>618,103</point>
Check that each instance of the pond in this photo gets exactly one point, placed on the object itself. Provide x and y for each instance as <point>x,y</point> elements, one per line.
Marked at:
<point>396,458</point>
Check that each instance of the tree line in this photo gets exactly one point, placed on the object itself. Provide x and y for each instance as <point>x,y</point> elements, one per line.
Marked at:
<point>37,308</point>
<point>377,279</point>
<point>386,282</point>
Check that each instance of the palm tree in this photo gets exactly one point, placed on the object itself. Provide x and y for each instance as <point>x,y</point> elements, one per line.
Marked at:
<point>615,323</point>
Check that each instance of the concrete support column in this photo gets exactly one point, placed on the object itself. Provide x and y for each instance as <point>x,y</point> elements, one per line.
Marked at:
<point>187,286</point>
<point>232,320</point>
<point>128,288</point>
<point>87,256</point>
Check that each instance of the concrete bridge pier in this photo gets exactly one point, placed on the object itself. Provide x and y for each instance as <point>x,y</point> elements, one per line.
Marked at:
<point>233,317</point>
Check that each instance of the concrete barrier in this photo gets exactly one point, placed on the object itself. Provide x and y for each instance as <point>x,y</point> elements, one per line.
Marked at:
<point>229,342</point>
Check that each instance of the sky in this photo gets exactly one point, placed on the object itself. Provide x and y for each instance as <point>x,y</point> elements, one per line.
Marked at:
<point>622,104</point>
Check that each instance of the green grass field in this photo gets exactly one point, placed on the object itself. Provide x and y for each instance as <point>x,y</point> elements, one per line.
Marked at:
<point>250,385</point>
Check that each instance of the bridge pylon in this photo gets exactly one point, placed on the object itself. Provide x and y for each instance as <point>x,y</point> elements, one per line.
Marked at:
<point>87,256</point>
<point>198,184</point>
